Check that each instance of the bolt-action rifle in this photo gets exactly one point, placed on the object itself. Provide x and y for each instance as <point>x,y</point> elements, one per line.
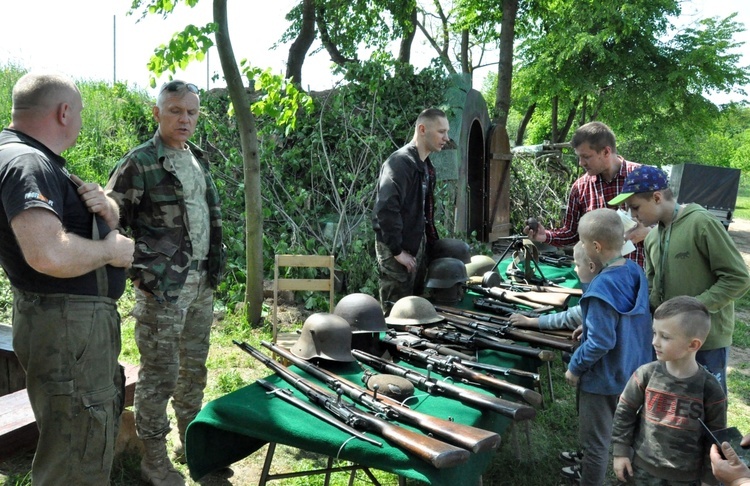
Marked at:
<point>286,395</point>
<point>478,340</point>
<point>502,328</point>
<point>464,436</point>
<point>530,298</point>
<point>453,367</point>
<point>426,383</point>
<point>439,454</point>
<point>470,361</point>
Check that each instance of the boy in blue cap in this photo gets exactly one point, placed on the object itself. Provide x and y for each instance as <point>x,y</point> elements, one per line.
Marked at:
<point>688,253</point>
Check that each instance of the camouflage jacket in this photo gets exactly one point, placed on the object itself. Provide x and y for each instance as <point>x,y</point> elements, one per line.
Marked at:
<point>152,210</point>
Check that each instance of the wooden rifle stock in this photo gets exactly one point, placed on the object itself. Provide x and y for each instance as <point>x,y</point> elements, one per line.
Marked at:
<point>543,288</point>
<point>439,454</point>
<point>477,340</point>
<point>481,401</point>
<point>501,328</point>
<point>454,367</point>
<point>558,300</point>
<point>465,436</point>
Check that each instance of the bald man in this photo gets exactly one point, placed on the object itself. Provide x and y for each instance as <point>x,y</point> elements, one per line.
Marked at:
<point>66,264</point>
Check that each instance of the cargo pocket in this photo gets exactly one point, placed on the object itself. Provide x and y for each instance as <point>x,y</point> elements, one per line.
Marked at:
<point>98,428</point>
<point>153,258</point>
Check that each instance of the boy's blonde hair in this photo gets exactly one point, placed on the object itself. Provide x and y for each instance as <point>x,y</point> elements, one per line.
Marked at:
<point>695,320</point>
<point>603,226</point>
<point>581,257</point>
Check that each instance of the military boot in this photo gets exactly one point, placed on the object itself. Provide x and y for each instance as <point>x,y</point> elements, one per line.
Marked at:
<point>179,450</point>
<point>156,468</point>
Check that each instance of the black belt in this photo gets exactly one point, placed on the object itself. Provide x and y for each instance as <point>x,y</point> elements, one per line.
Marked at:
<point>199,265</point>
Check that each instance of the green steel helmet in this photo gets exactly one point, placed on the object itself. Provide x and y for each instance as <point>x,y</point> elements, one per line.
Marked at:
<point>412,311</point>
<point>324,335</point>
<point>362,312</point>
<point>451,247</point>
<point>479,265</point>
<point>445,272</point>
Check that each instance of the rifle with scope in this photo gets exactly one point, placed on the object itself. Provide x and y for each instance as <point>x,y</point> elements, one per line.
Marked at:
<point>478,340</point>
<point>439,454</point>
<point>501,327</point>
<point>464,436</point>
<point>454,367</point>
<point>481,401</point>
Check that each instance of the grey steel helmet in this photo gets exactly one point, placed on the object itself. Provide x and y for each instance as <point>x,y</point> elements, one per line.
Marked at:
<point>324,335</point>
<point>445,272</point>
<point>451,247</point>
<point>412,311</point>
<point>362,312</point>
<point>479,265</point>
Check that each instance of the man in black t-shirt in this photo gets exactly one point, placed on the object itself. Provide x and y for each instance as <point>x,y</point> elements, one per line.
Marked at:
<point>65,261</point>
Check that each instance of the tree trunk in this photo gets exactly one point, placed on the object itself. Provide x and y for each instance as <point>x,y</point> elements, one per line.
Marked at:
<point>251,165</point>
<point>555,103</point>
<point>404,51</point>
<point>301,44</point>
<point>505,64</point>
<point>465,65</point>
<point>524,123</point>
<point>325,39</point>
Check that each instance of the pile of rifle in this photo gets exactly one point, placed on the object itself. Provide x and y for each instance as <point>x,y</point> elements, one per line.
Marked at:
<point>443,443</point>
<point>449,351</point>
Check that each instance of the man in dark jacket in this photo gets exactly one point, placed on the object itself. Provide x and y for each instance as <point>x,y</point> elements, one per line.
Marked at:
<point>403,216</point>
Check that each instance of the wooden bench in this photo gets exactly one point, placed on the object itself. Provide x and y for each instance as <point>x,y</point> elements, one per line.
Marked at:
<point>18,431</point>
<point>12,377</point>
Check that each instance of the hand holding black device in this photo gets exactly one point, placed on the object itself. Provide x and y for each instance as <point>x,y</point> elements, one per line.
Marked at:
<point>731,435</point>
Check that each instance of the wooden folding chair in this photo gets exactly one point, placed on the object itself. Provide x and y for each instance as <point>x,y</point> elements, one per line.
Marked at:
<point>319,284</point>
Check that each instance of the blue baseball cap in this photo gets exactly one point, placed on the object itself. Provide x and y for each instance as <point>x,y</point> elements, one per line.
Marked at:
<point>645,178</point>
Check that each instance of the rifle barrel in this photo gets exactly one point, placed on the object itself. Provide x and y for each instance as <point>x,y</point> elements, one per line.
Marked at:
<point>439,454</point>
<point>481,401</point>
<point>286,395</point>
<point>454,367</point>
<point>465,436</point>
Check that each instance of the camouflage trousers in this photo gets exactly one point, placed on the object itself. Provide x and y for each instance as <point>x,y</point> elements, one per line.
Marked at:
<point>173,339</point>
<point>68,345</point>
<point>395,281</point>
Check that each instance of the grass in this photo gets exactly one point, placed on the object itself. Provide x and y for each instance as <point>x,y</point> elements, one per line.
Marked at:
<point>522,450</point>
<point>526,456</point>
<point>742,207</point>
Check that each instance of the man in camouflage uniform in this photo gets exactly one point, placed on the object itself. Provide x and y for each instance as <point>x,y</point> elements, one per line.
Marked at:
<point>169,202</point>
<point>65,261</point>
<point>403,215</point>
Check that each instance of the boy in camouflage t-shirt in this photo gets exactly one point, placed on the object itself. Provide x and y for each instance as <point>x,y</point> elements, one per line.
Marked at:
<point>657,436</point>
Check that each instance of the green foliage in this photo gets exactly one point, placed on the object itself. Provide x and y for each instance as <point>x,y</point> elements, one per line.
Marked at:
<point>115,119</point>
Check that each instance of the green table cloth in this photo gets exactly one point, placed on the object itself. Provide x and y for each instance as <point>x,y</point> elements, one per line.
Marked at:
<point>236,425</point>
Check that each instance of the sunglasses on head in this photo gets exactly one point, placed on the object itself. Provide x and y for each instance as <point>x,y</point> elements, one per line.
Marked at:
<point>173,86</point>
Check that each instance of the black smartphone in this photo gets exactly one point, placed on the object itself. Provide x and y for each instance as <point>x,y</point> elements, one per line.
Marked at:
<point>731,435</point>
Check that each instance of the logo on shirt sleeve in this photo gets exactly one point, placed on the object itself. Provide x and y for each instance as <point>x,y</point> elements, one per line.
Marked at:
<point>38,197</point>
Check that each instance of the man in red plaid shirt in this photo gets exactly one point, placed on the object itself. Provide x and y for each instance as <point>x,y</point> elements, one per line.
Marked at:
<point>594,144</point>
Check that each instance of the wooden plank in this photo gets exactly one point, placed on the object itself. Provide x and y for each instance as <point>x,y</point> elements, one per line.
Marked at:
<point>303,284</point>
<point>18,431</point>
<point>305,260</point>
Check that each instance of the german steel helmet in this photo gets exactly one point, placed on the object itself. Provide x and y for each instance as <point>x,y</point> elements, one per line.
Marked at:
<point>412,311</point>
<point>362,312</point>
<point>451,247</point>
<point>445,272</point>
<point>324,335</point>
<point>479,265</point>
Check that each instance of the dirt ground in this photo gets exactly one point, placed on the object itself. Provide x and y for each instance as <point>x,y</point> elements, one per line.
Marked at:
<point>739,229</point>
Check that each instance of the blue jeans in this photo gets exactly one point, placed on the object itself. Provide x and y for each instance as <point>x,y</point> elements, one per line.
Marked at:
<point>715,361</point>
